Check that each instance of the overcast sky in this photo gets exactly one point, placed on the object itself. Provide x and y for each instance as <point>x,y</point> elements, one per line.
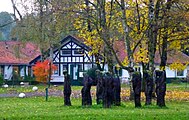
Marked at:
<point>6,5</point>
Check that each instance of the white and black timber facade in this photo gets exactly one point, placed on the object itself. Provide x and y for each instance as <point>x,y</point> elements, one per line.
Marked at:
<point>73,56</point>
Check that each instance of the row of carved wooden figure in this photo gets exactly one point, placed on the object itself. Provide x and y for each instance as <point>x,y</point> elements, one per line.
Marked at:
<point>158,81</point>
<point>108,88</point>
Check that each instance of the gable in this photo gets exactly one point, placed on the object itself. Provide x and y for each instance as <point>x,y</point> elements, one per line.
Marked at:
<point>72,50</point>
<point>72,42</point>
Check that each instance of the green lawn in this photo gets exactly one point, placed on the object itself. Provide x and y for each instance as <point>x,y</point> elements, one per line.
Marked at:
<point>178,87</point>
<point>37,108</point>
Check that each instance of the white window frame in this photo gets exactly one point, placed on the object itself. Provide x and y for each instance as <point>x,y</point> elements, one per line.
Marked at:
<point>180,75</point>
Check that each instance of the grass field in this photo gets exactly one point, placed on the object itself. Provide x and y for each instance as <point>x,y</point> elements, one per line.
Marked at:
<point>34,108</point>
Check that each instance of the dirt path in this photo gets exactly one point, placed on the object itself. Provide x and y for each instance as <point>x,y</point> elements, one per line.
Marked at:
<point>75,94</point>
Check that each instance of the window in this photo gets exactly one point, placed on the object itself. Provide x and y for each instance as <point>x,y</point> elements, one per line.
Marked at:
<point>137,68</point>
<point>65,67</point>
<point>65,59</point>
<point>66,52</point>
<point>22,71</point>
<point>80,67</point>
<point>78,52</point>
<point>56,71</point>
<point>180,73</point>
<point>87,66</point>
<point>16,69</point>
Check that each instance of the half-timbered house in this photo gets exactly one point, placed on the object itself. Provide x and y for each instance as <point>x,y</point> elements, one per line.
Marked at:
<point>73,56</point>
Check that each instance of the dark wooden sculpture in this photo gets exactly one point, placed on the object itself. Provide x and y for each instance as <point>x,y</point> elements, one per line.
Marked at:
<point>108,90</point>
<point>136,83</point>
<point>160,80</point>
<point>86,91</point>
<point>116,91</point>
<point>67,89</point>
<point>99,87</point>
<point>148,77</point>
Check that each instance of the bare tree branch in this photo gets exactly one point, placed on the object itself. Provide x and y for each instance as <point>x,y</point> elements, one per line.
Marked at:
<point>16,10</point>
<point>8,23</point>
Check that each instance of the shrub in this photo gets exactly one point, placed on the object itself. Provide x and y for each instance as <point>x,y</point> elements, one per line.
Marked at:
<point>92,73</point>
<point>29,79</point>
<point>1,80</point>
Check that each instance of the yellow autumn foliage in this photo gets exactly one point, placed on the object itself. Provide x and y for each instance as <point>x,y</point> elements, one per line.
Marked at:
<point>141,56</point>
<point>170,95</point>
<point>178,66</point>
<point>125,61</point>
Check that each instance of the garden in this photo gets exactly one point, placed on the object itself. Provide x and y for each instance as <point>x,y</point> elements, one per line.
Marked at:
<point>34,105</point>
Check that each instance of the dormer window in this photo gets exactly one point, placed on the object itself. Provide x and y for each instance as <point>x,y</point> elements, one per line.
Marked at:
<point>6,47</point>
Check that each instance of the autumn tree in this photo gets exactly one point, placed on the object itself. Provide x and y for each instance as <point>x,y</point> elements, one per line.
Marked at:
<point>96,32</point>
<point>42,69</point>
<point>174,36</point>
<point>100,25</point>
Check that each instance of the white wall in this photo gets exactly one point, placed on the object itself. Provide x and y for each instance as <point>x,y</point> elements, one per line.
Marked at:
<point>87,66</point>
<point>57,78</point>
<point>125,73</point>
<point>173,73</point>
<point>125,76</point>
<point>22,72</point>
<point>8,72</point>
<point>27,70</point>
<point>169,73</point>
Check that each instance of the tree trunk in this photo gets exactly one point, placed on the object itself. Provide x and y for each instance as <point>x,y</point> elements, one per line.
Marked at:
<point>128,46</point>
<point>165,36</point>
<point>152,34</point>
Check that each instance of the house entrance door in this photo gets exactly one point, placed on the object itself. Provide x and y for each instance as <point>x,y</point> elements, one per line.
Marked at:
<point>75,71</point>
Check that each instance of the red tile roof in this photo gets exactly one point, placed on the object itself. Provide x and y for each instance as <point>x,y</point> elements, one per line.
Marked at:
<point>173,56</point>
<point>15,52</point>
<point>120,48</point>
